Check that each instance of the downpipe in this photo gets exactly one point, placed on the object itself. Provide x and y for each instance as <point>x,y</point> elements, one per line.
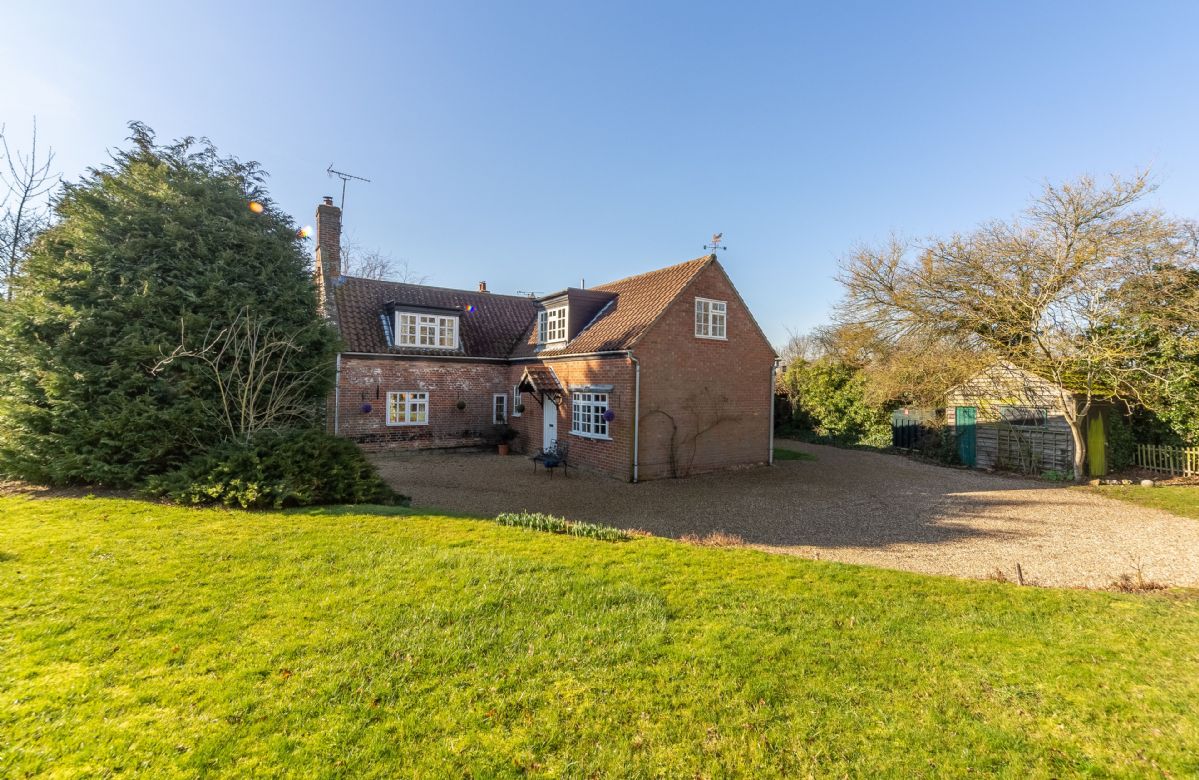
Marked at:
<point>337,396</point>
<point>636,412</point>
<point>774,370</point>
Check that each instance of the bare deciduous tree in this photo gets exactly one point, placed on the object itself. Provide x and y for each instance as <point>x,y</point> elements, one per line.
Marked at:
<point>374,264</point>
<point>800,346</point>
<point>250,363</point>
<point>1042,293</point>
<point>26,180</point>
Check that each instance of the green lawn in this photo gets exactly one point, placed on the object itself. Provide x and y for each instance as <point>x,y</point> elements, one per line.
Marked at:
<point>782,454</point>
<point>150,641</point>
<point>1181,500</point>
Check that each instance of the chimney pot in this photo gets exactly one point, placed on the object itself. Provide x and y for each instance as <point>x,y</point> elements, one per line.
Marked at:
<point>328,200</point>
<point>482,286</point>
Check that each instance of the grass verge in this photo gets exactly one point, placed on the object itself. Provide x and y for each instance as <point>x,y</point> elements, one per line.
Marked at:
<point>156,641</point>
<point>1180,500</point>
<point>785,454</point>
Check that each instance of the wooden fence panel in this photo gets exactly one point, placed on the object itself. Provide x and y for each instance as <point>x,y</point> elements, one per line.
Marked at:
<point>1027,450</point>
<point>1176,461</point>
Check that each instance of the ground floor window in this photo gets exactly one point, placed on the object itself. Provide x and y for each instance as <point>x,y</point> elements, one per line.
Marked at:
<point>516,401</point>
<point>499,408</point>
<point>587,415</point>
<point>407,408</point>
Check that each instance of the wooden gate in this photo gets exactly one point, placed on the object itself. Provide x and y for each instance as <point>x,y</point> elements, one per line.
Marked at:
<point>1096,447</point>
<point>964,417</point>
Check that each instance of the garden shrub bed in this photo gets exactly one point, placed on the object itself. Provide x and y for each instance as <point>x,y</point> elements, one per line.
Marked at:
<point>277,469</point>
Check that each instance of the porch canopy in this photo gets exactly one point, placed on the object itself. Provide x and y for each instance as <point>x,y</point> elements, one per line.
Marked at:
<point>541,381</point>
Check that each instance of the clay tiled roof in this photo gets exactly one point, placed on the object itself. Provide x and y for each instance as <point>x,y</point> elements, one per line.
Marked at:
<point>491,329</point>
<point>639,301</point>
<point>503,326</point>
<point>542,379</point>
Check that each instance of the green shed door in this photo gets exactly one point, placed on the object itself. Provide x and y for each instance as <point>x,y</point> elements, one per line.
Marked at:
<point>964,417</point>
<point>1096,447</point>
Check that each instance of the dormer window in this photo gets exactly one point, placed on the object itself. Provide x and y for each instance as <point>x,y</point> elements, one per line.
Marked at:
<point>430,331</point>
<point>551,325</point>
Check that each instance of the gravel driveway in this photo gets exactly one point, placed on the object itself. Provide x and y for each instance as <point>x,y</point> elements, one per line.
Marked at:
<point>850,506</point>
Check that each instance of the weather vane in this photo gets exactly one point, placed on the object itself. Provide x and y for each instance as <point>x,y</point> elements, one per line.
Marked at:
<point>345,177</point>
<point>716,245</point>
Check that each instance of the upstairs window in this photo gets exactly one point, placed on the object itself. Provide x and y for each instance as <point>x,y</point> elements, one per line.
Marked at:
<point>551,325</point>
<point>587,415</point>
<point>710,317</point>
<point>432,331</point>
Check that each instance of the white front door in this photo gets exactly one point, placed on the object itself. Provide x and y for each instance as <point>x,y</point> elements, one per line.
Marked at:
<point>549,424</point>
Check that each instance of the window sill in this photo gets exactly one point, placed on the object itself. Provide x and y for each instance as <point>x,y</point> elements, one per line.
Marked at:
<point>592,436</point>
<point>406,424</point>
<point>712,338</point>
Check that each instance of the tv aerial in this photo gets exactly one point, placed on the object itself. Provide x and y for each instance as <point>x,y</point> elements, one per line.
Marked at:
<point>345,178</point>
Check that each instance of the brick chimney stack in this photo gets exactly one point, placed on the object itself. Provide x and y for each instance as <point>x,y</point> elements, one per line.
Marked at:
<point>482,286</point>
<point>328,251</point>
<point>328,238</point>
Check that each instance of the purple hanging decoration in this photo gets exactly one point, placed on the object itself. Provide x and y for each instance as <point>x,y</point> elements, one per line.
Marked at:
<point>609,415</point>
<point>366,408</point>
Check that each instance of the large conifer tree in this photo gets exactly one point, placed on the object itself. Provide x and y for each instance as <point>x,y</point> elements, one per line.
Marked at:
<point>159,242</point>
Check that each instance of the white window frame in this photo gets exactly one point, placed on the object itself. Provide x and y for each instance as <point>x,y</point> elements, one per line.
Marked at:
<point>426,331</point>
<point>711,319</point>
<point>502,408</point>
<point>587,415</point>
<point>407,407</point>
<point>552,324</point>
<point>515,401</point>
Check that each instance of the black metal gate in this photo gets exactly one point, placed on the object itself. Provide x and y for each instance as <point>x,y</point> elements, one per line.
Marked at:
<point>909,426</point>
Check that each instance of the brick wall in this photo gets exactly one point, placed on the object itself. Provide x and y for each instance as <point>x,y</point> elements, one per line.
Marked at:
<point>368,380</point>
<point>612,457</point>
<point>712,396</point>
<point>705,404</point>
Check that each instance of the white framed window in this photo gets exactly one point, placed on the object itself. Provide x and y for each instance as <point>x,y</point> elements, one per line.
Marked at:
<point>551,325</point>
<point>587,415</point>
<point>499,408</point>
<point>407,408</point>
<point>516,400</point>
<point>426,330</point>
<point>710,318</point>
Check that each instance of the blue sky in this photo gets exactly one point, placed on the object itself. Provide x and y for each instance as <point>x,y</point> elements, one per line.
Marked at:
<point>532,145</point>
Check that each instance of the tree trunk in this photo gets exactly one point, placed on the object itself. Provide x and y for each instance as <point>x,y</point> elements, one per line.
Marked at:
<point>1080,447</point>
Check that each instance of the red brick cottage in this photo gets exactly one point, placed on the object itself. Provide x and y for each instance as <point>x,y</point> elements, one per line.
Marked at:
<point>661,374</point>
